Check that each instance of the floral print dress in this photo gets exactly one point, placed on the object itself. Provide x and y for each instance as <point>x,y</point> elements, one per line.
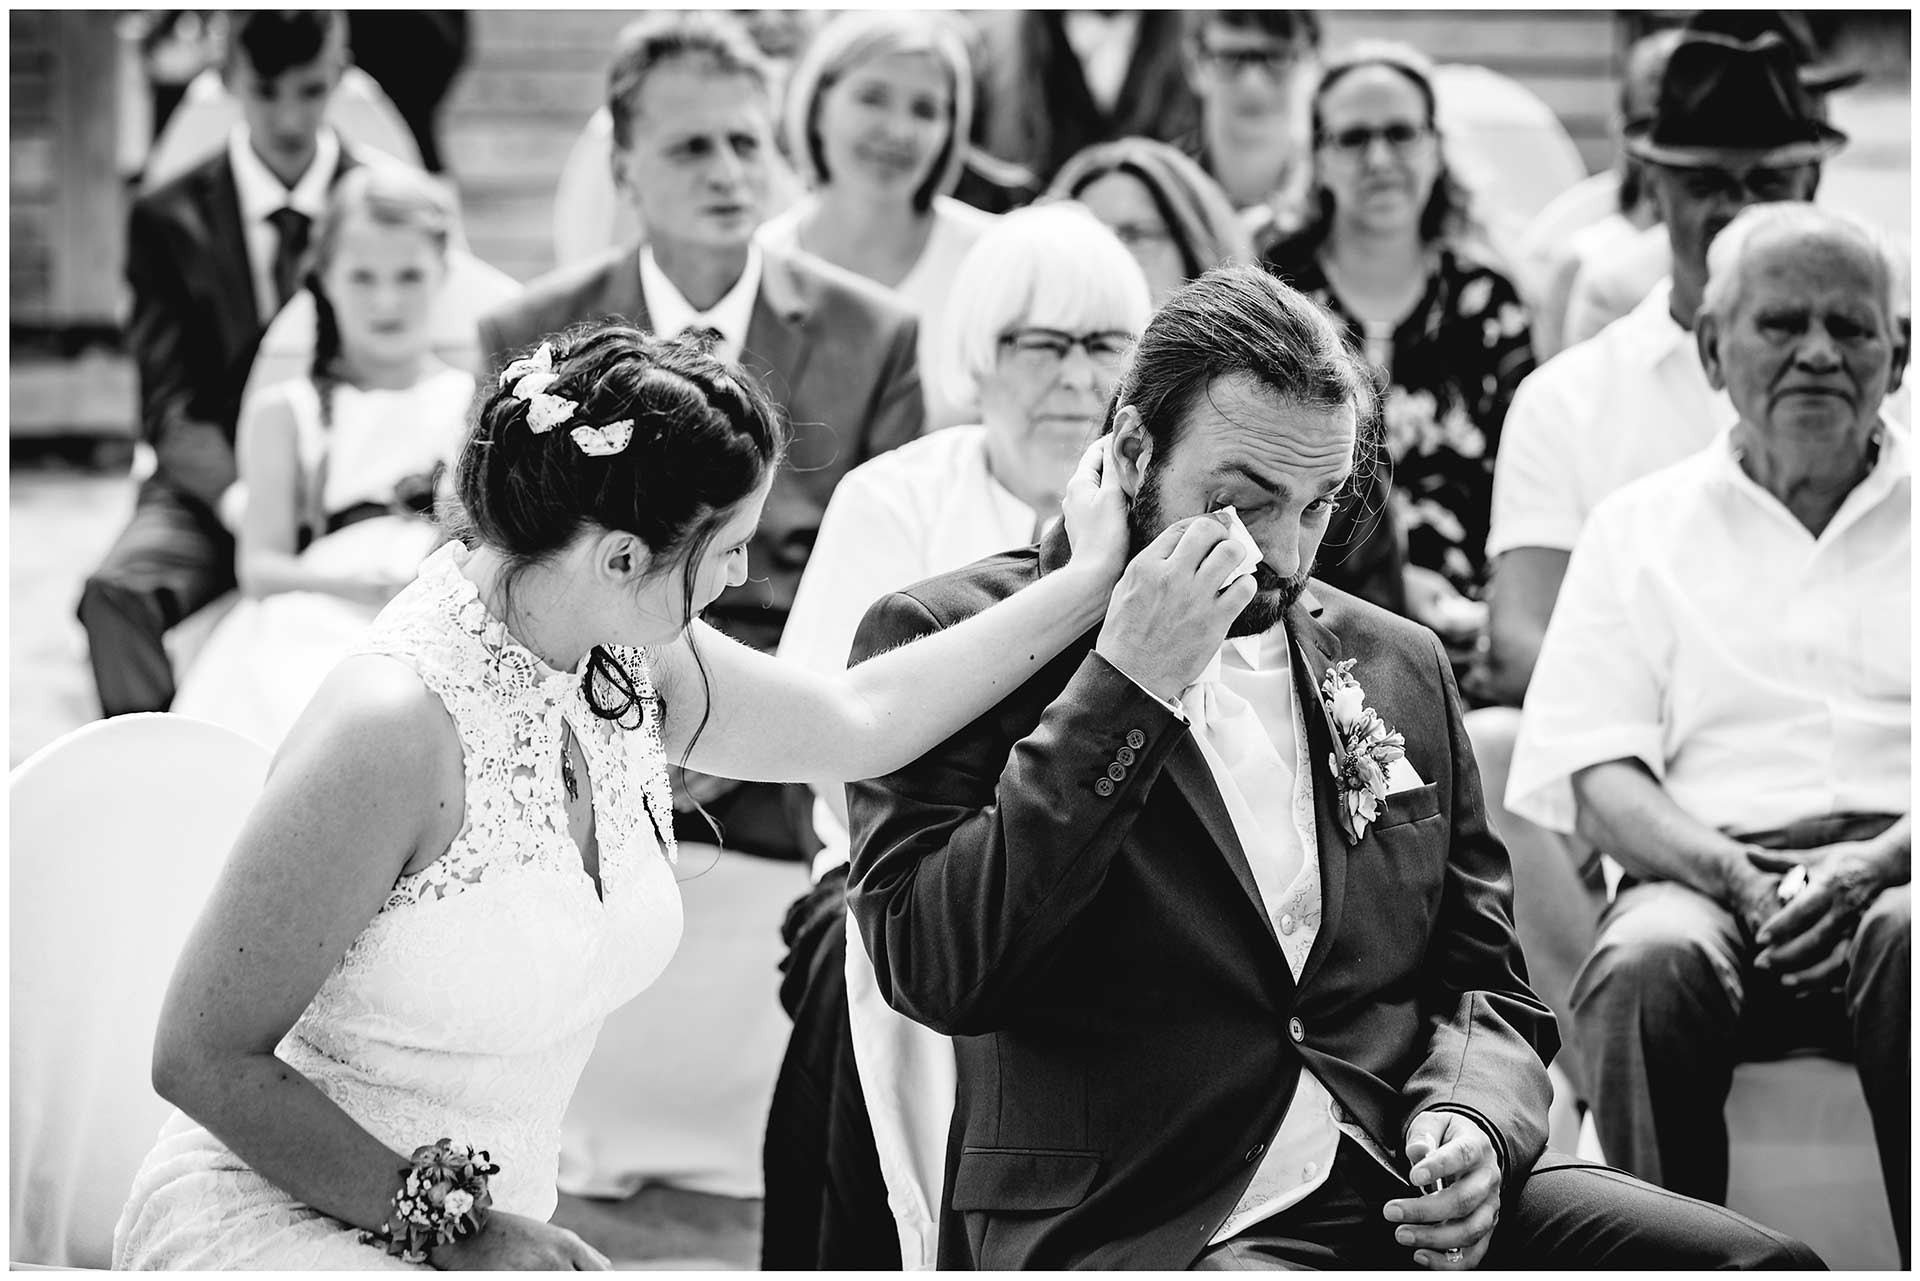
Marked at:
<point>1452,365</point>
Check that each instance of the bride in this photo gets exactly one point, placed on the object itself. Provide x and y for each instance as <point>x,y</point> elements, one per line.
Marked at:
<point>460,862</point>
<point>346,456</point>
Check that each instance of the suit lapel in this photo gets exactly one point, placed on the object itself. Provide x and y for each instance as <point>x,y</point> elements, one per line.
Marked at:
<point>779,340</point>
<point>1187,767</point>
<point>1315,649</point>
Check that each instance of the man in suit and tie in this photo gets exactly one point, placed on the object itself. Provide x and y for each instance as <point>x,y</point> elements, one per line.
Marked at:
<point>1216,921</point>
<point>211,256</point>
<point>693,150</point>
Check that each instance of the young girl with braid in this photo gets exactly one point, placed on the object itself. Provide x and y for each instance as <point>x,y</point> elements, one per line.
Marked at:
<point>462,857</point>
<point>339,466</point>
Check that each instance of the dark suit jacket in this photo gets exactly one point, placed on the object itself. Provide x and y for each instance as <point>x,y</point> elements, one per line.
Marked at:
<point>1037,110</point>
<point>195,324</point>
<point>1129,1033</point>
<point>835,352</point>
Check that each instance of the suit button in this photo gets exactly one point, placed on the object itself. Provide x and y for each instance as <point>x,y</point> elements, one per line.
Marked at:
<point>1103,786</point>
<point>1136,740</point>
<point>1253,1153</point>
<point>1125,756</point>
<point>1296,1029</point>
<point>1116,771</point>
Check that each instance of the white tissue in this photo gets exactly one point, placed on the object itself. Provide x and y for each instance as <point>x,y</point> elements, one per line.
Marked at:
<point>1237,533</point>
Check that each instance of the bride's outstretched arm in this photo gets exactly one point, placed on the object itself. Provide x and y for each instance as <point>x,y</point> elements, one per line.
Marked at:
<point>776,720</point>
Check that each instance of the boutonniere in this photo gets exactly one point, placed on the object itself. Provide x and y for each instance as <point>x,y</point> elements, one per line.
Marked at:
<point>1364,748</point>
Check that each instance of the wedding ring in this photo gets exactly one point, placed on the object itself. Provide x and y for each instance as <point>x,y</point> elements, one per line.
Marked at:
<point>1454,1255</point>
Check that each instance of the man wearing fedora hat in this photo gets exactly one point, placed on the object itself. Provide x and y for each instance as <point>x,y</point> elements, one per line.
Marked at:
<point>1608,286</point>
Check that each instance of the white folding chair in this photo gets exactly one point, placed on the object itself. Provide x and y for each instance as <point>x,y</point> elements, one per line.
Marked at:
<point>117,832</point>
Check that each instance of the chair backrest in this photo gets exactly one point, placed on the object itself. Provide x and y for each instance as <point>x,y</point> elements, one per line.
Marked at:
<point>360,112</point>
<point>117,833</point>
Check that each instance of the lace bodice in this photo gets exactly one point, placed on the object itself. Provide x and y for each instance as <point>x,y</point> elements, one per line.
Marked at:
<point>468,1005</point>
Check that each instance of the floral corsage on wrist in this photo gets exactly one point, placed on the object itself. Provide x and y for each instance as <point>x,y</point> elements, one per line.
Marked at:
<point>444,1197</point>
<point>1364,749</point>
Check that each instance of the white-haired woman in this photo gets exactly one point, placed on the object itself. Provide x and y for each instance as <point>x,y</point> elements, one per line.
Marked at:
<point>1043,314</point>
<point>877,116</point>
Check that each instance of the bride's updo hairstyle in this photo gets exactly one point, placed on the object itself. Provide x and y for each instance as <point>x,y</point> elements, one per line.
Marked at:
<point>703,438</point>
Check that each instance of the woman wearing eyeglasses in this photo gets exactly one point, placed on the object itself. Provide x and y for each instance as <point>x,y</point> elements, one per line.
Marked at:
<point>1387,250</point>
<point>1035,335</point>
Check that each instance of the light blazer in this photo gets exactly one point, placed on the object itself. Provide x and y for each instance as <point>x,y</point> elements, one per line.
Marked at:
<point>834,351</point>
<point>1129,1033</point>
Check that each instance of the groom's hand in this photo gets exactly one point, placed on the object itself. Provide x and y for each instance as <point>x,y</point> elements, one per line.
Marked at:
<point>1448,1147</point>
<point>1170,613</point>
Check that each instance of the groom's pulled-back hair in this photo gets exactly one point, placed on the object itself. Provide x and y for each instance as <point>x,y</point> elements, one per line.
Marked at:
<point>1243,320</point>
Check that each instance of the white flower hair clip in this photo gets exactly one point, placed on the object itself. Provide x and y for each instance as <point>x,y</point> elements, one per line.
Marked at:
<point>545,412</point>
<point>530,375</point>
<point>598,442</point>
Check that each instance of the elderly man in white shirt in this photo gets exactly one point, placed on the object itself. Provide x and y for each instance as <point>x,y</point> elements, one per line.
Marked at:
<point>1723,705</point>
<point>1732,126</point>
<point>1046,307</point>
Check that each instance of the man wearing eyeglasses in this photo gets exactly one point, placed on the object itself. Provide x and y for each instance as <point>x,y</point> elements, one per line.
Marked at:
<point>1251,70</point>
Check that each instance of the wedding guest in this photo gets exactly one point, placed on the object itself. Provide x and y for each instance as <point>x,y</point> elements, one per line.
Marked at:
<point>1046,307</point>
<point>1252,70</point>
<point>210,257</point>
<point>1385,252</point>
<point>879,108</point>
<point>1612,281</point>
<point>1214,1007</point>
<point>462,860</point>
<point>693,133</point>
<point>1060,80</point>
<point>339,467</point>
<point>1723,703</point>
<point>1178,226</point>
<point>1731,127</point>
<point>1170,215</point>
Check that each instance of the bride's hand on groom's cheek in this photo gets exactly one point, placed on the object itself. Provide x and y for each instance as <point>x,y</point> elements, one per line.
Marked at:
<point>1451,1149</point>
<point>1095,510</point>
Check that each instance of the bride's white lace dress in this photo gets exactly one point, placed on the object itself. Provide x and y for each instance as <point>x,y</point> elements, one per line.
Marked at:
<point>469,1004</point>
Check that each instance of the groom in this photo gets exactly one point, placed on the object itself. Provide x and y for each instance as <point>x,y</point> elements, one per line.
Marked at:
<point>1205,1016</point>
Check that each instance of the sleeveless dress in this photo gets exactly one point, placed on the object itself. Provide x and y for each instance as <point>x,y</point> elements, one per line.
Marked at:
<point>469,1004</point>
<point>265,660</point>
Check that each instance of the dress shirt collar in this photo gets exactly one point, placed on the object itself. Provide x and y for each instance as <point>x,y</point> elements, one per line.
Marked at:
<point>262,194</point>
<point>670,311</point>
<point>1260,653</point>
<point>1890,467</point>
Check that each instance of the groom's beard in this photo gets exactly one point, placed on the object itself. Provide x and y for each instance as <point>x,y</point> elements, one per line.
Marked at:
<point>1273,595</point>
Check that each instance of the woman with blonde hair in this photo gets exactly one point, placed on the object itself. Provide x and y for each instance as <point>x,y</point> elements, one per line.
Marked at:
<point>878,112</point>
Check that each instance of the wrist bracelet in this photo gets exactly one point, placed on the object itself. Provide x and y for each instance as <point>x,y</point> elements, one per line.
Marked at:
<point>443,1196</point>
